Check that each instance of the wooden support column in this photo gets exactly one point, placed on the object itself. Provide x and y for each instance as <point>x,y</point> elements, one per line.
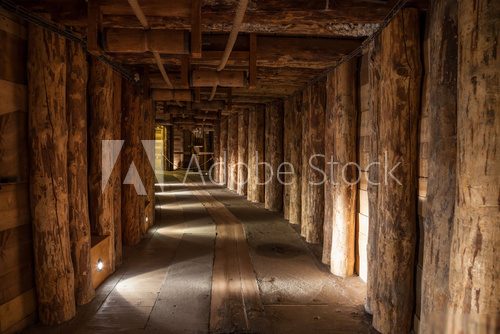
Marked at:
<point>256,138</point>
<point>441,189</point>
<point>116,176</point>
<point>313,180</point>
<point>474,274</point>
<point>288,133</point>
<point>215,169</point>
<point>79,222</point>
<point>329,154</point>
<point>295,160</point>
<point>242,152</point>
<point>48,130</point>
<point>232,151</point>
<point>373,171</point>
<point>223,151</point>
<point>148,176</point>
<point>396,211</point>
<point>345,174</point>
<point>131,159</point>
<point>273,195</point>
<point>101,129</point>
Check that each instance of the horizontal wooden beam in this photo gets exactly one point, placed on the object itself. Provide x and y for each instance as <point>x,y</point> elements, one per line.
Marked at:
<point>211,78</point>
<point>172,95</point>
<point>140,41</point>
<point>178,8</point>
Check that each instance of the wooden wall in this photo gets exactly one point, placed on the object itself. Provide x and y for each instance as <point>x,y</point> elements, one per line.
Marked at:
<point>17,298</point>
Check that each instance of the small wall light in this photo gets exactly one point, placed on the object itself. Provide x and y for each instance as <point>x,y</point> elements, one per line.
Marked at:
<point>147,219</point>
<point>100,265</point>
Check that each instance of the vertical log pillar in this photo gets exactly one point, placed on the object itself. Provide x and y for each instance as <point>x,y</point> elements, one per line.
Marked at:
<point>223,151</point>
<point>79,223</point>
<point>131,158</point>
<point>373,171</point>
<point>148,176</point>
<point>399,108</point>
<point>242,152</point>
<point>296,160</point>
<point>217,155</point>
<point>256,138</point>
<point>473,279</point>
<point>287,148</point>
<point>232,151</point>
<point>100,129</point>
<point>48,176</point>
<point>329,154</point>
<point>313,180</point>
<point>116,177</point>
<point>345,175</point>
<point>441,190</point>
<point>273,195</point>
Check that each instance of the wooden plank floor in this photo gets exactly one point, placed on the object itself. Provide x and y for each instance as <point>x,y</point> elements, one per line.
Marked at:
<point>218,263</point>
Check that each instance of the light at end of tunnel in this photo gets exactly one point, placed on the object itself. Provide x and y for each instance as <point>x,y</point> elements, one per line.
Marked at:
<point>100,265</point>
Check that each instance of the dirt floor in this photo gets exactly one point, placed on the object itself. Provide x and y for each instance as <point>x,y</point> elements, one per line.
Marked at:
<point>166,284</point>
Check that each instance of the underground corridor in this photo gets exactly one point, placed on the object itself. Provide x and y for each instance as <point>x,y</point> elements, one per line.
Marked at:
<point>244,166</point>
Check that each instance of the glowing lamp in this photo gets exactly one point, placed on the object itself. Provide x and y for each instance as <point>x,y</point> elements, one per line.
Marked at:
<point>100,265</point>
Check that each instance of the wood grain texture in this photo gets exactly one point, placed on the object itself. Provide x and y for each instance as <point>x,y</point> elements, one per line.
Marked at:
<point>215,169</point>
<point>132,203</point>
<point>116,175</point>
<point>49,178</point>
<point>473,279</point>
<point>396,210</point>
<point>223,151</point>
<point>296,139</point>
<point>100,129</point>
<point>313,196</point>
<point>442,152</point>
<point>345,175</point>
<point>273,195</point>
<point>242,152</point>
<point>256,138</point>
<point>232,151</point>
<point>79,222</point>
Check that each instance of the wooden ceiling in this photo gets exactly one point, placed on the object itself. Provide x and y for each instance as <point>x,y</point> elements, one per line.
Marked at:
<point>296,40</point>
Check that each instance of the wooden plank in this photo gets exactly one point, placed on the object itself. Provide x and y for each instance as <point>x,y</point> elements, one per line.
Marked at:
<point>100,250</point>
<point>172,95</point>
<point>12,58</point>
<point>178,8</point>
<point>14,205</point>
<point>196,48</point>
<point>211,78</point>
<point>13,147</point>
<point>17,309</point>
<point>11,25</point>
<point>94,18</point>
<point>13,97</point>
<point>16,281</point>
<point>16,255</point>
<point>252,62</point>
<point>173,42</point>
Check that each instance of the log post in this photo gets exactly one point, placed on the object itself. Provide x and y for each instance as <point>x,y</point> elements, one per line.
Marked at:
<point>373,171</point>
<point>101,129</point>
<point>345,175</point>
<point>296,160</point>
<point>314,146</point>
<point>441,189</point>
<point>79,223</point>
<point>116,177</point>
<point>215,170</point>
<point>242,152</point>
<point>287,148</point>
<point>273,195</point>
<point>131,159</point>
<point>148,176</point>
<point>399,109</point>
<point>473,279</point>
<point>48,129</point>
<point>329,153</point>
<point>223,151</point>
<point>256,137</point>
<point>232,151</point>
